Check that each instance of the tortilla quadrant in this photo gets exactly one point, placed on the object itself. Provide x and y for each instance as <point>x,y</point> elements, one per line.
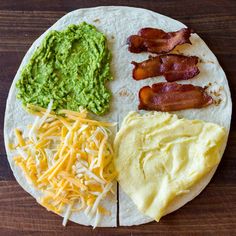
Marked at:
<point>117,23</point>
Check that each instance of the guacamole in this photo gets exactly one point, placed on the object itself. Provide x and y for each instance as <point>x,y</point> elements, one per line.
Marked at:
<point>71,67</point>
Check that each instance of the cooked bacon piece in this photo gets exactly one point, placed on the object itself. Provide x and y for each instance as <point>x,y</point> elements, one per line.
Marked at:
<point>152,33</point>
<point>173,97</point>
<point>174,67</point>
<point>157,41</point>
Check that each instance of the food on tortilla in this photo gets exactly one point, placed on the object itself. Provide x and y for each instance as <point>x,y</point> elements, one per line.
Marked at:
<point>172,66</point>
<point>157,41</point>
<point>71,67</point>
<point>124,100</point>
<point>173,97</point>
<point>159,157</point>
<point>69,159</point>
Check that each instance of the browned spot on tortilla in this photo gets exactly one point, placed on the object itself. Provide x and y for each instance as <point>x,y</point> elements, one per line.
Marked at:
<point>218,92</point>
<point>206,61</point>
<point>212,62</point>
<point>97,20</point>
<point>124,93</point>
<point>217,101</point>
<point>112,37</point>
<point>207,86</point>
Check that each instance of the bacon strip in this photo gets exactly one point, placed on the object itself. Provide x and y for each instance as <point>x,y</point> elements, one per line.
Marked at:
<point>174,67</point>
<point>157,41</point>
<point>173,97</point>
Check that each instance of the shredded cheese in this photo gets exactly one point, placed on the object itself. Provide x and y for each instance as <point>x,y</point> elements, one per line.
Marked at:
<point>69,158</point>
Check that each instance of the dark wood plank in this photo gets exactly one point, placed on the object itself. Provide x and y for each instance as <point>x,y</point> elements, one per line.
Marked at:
<point>20,212</point>
<point>211,213</point>
<point>182,9</point>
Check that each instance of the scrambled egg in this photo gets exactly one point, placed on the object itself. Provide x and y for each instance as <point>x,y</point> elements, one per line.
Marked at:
<point>159,157</point>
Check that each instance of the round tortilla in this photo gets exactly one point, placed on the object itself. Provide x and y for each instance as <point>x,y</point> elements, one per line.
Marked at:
<point>117,23</point>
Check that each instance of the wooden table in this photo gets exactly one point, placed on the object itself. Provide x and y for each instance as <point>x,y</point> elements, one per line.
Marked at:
<point>213,212</point>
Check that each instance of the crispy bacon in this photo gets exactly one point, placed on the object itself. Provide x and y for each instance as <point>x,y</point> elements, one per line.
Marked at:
<point>173,97</point>
<point>174,67</point>
<point>157,41</point>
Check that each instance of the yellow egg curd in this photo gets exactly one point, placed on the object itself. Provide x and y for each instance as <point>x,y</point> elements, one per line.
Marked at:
<point>159,156</point>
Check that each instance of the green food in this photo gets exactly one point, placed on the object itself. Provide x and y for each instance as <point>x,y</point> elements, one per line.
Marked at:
<point>70,67</point>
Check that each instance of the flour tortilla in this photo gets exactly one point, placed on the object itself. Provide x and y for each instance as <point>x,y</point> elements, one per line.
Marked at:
<point>117,23</point>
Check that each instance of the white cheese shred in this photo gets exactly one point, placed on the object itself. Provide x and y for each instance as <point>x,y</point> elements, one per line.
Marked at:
<point>99,198</point>
<point>97,220</point>
<point>67,215</point>
<point>45,116</point>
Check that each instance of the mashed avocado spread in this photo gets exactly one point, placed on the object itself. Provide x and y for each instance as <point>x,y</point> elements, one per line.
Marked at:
<point>70,67</point>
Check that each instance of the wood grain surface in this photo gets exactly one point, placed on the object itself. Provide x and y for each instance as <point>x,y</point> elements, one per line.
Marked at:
<point>213,212</point>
